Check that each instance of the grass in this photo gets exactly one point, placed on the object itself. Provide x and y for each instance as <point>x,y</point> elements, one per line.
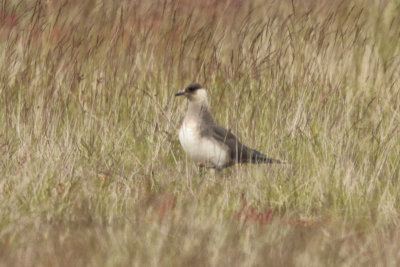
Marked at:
<point>92,172</point>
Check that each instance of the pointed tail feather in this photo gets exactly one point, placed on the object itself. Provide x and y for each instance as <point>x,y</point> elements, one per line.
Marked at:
<point>259,158</point>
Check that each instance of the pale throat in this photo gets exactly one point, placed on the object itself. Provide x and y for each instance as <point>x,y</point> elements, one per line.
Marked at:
<point>196,108</point>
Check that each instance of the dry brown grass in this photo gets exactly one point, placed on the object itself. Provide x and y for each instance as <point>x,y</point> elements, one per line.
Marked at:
<point>92,172</point>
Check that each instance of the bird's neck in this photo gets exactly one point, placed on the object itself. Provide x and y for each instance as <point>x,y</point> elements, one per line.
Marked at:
<point>199,111</point>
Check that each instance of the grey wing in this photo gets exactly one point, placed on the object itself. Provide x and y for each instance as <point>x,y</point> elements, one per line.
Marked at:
<point>238,151</point>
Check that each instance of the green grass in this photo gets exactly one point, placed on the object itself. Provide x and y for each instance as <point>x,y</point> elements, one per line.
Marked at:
<point>92,172</point>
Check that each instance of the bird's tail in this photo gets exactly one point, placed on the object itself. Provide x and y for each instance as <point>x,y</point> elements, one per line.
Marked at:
<point>259,158</point>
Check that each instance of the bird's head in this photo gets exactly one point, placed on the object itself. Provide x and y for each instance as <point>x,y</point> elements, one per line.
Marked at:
<point>194,92</point>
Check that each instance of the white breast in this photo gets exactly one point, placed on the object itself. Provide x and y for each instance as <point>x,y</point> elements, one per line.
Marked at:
<point>202,149</point>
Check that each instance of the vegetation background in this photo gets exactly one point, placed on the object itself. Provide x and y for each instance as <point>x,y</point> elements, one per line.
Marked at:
<point>92,172</point>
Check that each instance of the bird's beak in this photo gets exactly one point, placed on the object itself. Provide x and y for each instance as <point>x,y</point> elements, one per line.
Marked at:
<point>180,93</point>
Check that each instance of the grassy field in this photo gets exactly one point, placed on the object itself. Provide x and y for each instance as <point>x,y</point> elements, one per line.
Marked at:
<point>91,169</point>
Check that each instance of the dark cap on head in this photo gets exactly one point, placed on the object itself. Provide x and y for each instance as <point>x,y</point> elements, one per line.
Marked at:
<point>193,86</point>
<point>189,89</point>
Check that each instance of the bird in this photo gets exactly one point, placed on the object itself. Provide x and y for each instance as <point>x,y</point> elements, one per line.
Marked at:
<point>208,143</point>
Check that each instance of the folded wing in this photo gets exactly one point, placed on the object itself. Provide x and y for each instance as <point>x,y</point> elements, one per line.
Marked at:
<point>238,151</point>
